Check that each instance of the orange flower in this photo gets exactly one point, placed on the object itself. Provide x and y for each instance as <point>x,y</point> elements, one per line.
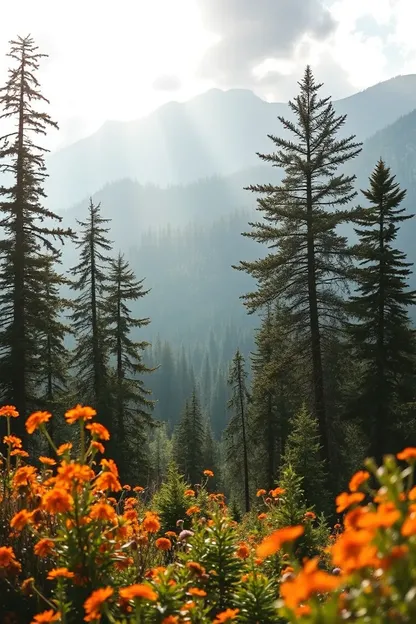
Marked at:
<point>44,547</point>
<point>102,511</point>
<point>37,419</point>
<point>408,454</point>
<point>47,461</point>
<point>243,551</point>
<point>13,441</point>
<point>226,616</point>
<point>79,412</point>
<point>195,567</point>
<point>385,516</point>
<point>46,616</point>
<point>170,619</point>
<point>139,489</point>
<point>274,542</point>
<point>412,494</point>
<point>277,492</point>
<point>358,479</point>
<point>163,543</point>
<point>72,472</point>
<point>60,573</point>
<point>309,581</point>
<point>409,525</point>
<point>107,481</point>
<point>310,515</point>
<point>98,430</point>
<point>262,516</point>
<point>110,465</point>
<point>353,518</point>
<point>261,493</point>
<point>61,450</point>
<point>193,510</point>
<point>17,452</point>
<point>57,501</point>
<point>23,476</point>
<point>208,473</point>
<point>198,593</point>
<point>151,522</point>
<point>189,493</point>
<point>354,550</point>
<point>94,603</point>
<point>20,520</point>
<point>7,556</point>
<point>138,591</point>
<point>98,446</point>
<point>345,500</point>
<point>9,411</point>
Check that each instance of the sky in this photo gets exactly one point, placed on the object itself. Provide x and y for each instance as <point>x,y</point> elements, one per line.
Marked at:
<point>121,61</point>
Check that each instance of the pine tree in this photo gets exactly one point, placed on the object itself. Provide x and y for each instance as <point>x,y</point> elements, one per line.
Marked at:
<point>382,336</point>
<point>28,239</point>
<point>90,357</point>
<point>189,441</point>
<point>302,453</point>
<point>236,433</point>
<point>307,262</point>
<point>132,406</point>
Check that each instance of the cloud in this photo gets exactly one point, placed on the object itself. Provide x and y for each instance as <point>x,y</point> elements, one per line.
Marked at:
<point>251,31</point>
<point>167,82</point>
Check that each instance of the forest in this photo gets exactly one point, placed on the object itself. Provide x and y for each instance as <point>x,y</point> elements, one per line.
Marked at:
<point>308,371</point>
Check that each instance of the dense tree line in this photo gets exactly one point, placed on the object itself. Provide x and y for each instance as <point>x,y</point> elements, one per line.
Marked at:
<point>326,378</point>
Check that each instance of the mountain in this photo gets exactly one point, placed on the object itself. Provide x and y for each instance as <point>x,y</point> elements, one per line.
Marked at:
<point>216,133</point>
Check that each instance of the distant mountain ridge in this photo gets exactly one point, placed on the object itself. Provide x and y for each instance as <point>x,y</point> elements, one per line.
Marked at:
<point>216,133</point>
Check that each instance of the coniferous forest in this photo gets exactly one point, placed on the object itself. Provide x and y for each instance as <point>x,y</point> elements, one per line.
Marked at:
<point>283,405</point>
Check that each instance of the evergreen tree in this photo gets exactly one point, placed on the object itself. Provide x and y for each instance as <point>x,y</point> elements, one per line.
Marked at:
<point>302,453</point>
<point>90,357</point>
<point>160,455</point>
<point>189,441</point>
<point>210,455</point>
<point>170,501</point>
<point>382,336</point>
<point>28,239</point>
<point>132,406</point>
<point>306,266</point>
<point>236,434</point>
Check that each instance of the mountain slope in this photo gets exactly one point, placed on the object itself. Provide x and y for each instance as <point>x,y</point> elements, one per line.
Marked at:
<point>216,133</point>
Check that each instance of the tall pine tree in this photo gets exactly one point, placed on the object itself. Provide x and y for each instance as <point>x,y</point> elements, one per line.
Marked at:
<point>307,261</point>
<point>236,433</point>
<point>27,225</point>
<point>382,335</point>
<point>189,441</point>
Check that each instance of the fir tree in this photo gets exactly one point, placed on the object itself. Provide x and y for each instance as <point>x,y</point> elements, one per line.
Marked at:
<point>132,406</point>
<point>302,453</point>
<point>307,262</point>
<point>28,239</point>
<point>236,433</point>
<point>90,357</point>
<point>189,441</point>
<point>382,336</point>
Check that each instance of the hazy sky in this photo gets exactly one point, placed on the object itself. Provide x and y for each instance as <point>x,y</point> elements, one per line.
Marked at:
<point>120,60</point>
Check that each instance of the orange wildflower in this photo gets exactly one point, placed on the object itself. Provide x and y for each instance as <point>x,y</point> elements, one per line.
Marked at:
<point>102,511</point>
<point>61,450</point>
<point>46,616</point>
<point>20,520</point>
<point>107,481</point>
<point>36,420</point>
<point>195,567</point>
<point>353,518</point>
<point>262,516</point>
<point>9,411</point>
<point>60,573</point>
<point>409,525</point>
<point>98,430</point>
<point>198,593</point>
<point>23,476</point>
<point>208,473</point>
<point>138,591</point>
<point>111,465</point>
<point>277,492</point>
<point>44,547</point>
<point>27,586</point>
<point>226,616</point>
<point>13,441</point>
<point>79,412</point>
<point>163,543</point>
<point>353,550</point>
<point>412,494</point>
<point>98,446</point>
<point>17,452</point>
<point>309,581</point>
<point>151,522</point>
<point>345,500</point>
<point>170,619</point>
<point>310,515</point>
<point>358,479</point>
<point>193,510</point>
<point>274,542</point>
<point>7,556</point>
<point>243,551</point>
<point>57,501</point>
<point>408,454</point>
<point>138,489</point>
<point>47,461</point>
<point>189,493</point>
<point>94,603</point>
<point>261,493</point>
<point>385,516</point>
